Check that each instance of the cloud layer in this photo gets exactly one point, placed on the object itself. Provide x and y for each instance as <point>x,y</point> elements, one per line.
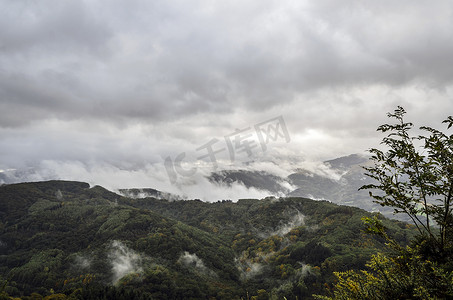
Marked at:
<point>109,84</point>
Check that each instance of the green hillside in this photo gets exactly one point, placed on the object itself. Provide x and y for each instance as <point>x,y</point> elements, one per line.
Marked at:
<point>67,240</point>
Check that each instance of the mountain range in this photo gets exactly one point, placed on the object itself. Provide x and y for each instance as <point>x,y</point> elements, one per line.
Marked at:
<point>70,240</point>
<point>337,181</point>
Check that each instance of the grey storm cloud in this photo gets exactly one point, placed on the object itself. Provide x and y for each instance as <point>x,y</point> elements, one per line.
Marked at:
<point>163,60</point>
<point>130,83</point>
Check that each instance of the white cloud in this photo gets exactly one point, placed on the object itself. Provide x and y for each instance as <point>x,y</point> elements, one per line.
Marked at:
<point>82,262</point>
<point>124,261</point>
<point>193,261</point>
<point>128,84</point>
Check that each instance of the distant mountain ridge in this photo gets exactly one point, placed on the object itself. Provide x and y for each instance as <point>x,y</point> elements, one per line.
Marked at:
<point>257,179</point>
<point>346,162</point>
<point>148,192</point>
<point>337,181</point>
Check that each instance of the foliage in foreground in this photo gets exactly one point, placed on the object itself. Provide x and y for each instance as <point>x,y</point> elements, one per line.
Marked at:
<point>405,273</point>
<point>416,181</point>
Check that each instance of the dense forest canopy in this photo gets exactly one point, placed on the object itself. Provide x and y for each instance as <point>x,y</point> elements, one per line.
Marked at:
<point>68,238</point>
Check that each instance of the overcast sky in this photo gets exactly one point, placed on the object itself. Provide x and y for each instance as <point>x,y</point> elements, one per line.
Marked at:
<point>95,88</point>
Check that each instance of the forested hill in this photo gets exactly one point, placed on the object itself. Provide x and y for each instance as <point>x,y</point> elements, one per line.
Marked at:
<point>65,239</point>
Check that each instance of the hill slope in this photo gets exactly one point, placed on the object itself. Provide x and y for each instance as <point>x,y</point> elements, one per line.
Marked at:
<point>66,237</point>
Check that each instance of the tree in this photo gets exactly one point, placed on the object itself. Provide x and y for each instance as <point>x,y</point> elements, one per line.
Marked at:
<point>415,177</point>
<point>404,276</point>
